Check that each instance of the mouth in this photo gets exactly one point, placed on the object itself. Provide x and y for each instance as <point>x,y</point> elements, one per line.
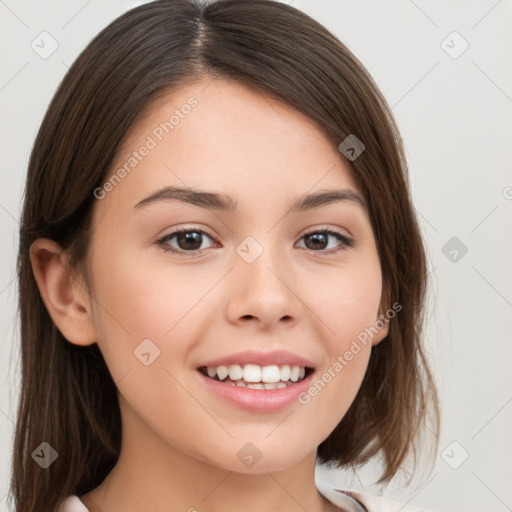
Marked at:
<point>254,376</point>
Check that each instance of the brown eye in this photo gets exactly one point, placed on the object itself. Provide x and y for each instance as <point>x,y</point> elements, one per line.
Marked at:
<point>318,241</point>
<point>187,240</point>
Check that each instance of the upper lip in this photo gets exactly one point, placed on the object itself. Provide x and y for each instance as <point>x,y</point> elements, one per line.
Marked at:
<point>275,357</point>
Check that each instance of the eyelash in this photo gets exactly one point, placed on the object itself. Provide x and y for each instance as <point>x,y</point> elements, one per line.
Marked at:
<point>346,242</point>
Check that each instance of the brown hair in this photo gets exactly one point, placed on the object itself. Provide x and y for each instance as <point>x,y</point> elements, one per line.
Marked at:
<point>68,397</point>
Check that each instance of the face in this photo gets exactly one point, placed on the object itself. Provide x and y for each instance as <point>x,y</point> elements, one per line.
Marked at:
<point>234,285</point>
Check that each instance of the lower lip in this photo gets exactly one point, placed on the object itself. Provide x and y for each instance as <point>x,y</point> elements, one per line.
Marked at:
<point>260,400</point>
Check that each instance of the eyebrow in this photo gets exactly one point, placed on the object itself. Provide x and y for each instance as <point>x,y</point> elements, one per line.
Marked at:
<point>225,203</point>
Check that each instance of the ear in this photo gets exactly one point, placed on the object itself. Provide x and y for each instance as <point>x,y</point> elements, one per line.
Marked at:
<point>382,321</point>
<point>66,300</point>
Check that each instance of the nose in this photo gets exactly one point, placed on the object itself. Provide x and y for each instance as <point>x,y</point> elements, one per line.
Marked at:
<point>262,291</point>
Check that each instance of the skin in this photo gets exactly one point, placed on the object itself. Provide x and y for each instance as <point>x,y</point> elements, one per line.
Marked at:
<point>180,442</point>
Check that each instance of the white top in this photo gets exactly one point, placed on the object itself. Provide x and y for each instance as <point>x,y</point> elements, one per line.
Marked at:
<point>352,501</point>
<point>348,501</point>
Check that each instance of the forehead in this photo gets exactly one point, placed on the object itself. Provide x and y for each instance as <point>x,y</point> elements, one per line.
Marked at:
<point>224,136</point>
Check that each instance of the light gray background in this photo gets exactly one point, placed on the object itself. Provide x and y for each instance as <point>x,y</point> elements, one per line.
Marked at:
<point>455,116</point>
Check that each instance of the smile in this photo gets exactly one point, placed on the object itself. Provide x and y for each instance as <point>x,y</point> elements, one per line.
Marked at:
<point>257,381</point>
<point>253,376</point>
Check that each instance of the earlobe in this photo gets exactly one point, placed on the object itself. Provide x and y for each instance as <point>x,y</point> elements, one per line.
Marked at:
<point>382,324</point>
<point>382,320</point>
<point>66,300</point>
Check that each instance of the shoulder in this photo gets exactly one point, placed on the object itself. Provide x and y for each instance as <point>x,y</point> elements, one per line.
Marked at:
<point>72,504</point>
<point>379,504</point>
<point>366,502</point>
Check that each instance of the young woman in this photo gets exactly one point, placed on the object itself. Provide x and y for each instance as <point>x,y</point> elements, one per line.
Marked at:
<point>221,276</point>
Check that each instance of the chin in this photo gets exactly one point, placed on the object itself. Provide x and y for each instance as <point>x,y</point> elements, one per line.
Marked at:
<point>250,460</point>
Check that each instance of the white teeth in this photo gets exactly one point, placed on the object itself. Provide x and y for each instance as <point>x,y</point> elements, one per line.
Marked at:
<point>255,386</point>
<point>222,372</point>
<point>252,373</point>
<point>270,374</point>
<point>285,372</point>
<point>294,373</point>
<point>273,375</point>
<point>235,372</point>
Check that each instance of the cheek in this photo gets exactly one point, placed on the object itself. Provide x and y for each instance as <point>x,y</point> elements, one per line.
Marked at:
<point>138,297</point>
<point>348,306</point>
<point>137,301</point>
<point>347,302</point>
<point>142,321</point>
<point>348,312</point>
